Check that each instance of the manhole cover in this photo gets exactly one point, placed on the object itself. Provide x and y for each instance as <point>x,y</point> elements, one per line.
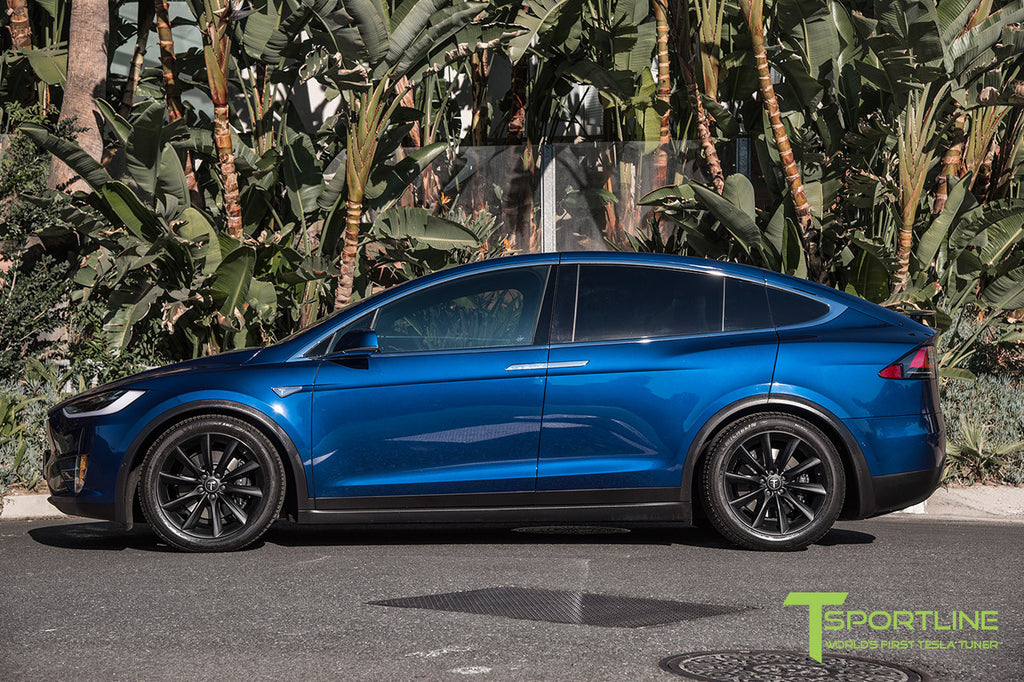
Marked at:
<point>577,608</point>
<point>783,666</point>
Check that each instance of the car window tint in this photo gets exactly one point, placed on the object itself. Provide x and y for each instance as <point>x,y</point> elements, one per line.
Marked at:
<point>746,305</point>
<point>490,310</point>
<point>789,308</point>
<point>624,302</point>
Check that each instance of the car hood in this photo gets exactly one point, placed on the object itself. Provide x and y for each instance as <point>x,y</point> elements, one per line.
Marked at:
<point>222,360</point>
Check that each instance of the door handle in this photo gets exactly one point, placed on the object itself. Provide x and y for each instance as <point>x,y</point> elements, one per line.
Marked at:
<point>546,365</point>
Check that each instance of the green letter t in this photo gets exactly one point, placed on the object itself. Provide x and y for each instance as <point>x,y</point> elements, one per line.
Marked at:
<point>814,601</point>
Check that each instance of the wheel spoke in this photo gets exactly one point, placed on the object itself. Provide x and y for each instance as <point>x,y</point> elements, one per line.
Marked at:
<point>235,510</point>
<point>247,490</point>
<point>215,517</point>
<point>783,521</point>
<point>802,467</point>
<point>193,518</point>
<point>180,501</point>
<point>813,488</point>
<point>179,480</point>
<point>226,457</point>
<point>759,519</point>
<point>787,454</point>
<point>799,506</point>
<point>206,457</point>
<point>758,467</point>
<point>744,477</point>
<point>242,470</point>
<point>766,450</point>
<point>187,462</point>
<point>745,498</point>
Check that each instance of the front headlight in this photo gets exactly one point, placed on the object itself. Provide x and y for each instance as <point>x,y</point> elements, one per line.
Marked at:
<point>107,402</point>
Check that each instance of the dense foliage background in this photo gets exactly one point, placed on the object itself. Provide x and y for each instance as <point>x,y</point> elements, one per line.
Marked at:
<point>303,154</point>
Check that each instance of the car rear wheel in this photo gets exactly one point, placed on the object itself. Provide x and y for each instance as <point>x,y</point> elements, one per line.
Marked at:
<point>773,481</point>
<point>212,483</point>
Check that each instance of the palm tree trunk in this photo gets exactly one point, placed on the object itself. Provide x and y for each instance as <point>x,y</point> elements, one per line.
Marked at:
<point>20,27</point>
<point>167,59</point>
<point>369,123</point>
<point>86,80</point>
<point>664,96</point>
<point>703,120</point>
<point>753,10</point>
<point>950,164</point>
<point>217,53</point>
<point>145,25</point>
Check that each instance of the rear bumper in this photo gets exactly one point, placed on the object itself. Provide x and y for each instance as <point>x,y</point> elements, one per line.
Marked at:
<point>899,491</point>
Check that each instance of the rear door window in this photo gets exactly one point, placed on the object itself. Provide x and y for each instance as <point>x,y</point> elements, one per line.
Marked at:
<point>630,302</point>
<point>746,306</point>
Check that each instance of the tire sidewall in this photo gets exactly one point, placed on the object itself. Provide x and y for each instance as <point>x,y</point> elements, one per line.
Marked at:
<point>266,511</point>
<point>715,496</point>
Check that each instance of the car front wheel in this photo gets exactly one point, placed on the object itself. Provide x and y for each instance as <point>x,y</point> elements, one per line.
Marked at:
<point>773,482</point>
<point>211,483</point>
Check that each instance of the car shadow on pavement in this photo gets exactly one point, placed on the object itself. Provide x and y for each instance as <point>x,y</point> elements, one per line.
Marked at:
<point>103,537</point>
<point>95,536</point>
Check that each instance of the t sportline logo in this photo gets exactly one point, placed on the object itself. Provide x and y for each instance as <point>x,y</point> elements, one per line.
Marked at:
<point>918,621</point>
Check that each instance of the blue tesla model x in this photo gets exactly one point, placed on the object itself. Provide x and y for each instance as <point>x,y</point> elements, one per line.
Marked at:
<point>536,389</point>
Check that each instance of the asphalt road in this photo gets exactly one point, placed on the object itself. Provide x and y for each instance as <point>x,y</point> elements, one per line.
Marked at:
<point>80,601</point>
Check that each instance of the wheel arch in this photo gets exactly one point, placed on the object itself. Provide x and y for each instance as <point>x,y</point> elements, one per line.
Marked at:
<point>858,476</point>
<point>296,490</point>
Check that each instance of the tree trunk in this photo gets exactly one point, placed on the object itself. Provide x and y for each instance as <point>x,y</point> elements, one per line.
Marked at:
<point>950,164</point>
<point>167,59</point>
<point>217,52</point>
<point>664,96</point>
<point>707,142</point>
<point>20,27</point>
<point>519,199</point>
<point>86,81</point>
<point>145,25</point>
<point>753,11</point>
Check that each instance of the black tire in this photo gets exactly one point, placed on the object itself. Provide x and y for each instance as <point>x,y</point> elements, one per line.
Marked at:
<point>756,499</point>
<point>211,484</point>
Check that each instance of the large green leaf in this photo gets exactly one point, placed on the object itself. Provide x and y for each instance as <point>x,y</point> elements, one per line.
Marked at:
<point>740,193</point>
<point>392,181</point>
<point>129,309</point>
<point>231,281</point>
<point>303,177</point>
<point>371,21</point>
<point>548,18</point>
<point>139,219</point>
<point>87,168</point>
<point>1004,231</point>
<point>734,219</point>
<point>938,232</point>
<point>145,144</point>
<point>424,228</point>
<point>445,23</point>
<point>808,28</point>
<point>49,63</point>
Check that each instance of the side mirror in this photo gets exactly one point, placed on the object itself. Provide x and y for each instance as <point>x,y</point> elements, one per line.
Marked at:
<point>355,343</point>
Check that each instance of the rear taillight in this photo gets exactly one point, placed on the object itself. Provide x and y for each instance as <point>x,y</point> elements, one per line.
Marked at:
<point>917,364</point>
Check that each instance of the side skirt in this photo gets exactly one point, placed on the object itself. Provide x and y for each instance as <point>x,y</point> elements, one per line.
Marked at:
<point>646,505</point>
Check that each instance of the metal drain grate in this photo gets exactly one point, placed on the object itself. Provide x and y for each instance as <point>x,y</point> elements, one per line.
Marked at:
<point>576,608</point>
<point>783,666</point>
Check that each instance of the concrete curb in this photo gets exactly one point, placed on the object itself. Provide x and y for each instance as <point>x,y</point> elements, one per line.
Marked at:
<point>27,507</point>
<point>978,502</point>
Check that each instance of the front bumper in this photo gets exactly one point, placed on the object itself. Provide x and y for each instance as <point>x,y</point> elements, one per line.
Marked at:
<point>73,506</point>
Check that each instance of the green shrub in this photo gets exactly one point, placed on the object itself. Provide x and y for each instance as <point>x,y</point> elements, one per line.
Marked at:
<point>984,428</point>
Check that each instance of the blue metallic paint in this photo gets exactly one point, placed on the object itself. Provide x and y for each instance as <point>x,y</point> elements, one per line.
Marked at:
<point>459,422</point>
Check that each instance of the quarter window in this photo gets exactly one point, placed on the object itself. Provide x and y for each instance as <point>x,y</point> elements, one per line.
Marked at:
<point>789,308</point>
<point>491,310</point>
<point>625,302</point>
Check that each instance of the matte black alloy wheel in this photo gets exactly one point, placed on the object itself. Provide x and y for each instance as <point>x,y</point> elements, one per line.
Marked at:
<point>212,484</point>
<point>773,482</point>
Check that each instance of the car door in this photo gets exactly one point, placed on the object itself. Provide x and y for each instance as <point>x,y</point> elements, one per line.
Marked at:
<point>450,404</point>
<point>639,357</point>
